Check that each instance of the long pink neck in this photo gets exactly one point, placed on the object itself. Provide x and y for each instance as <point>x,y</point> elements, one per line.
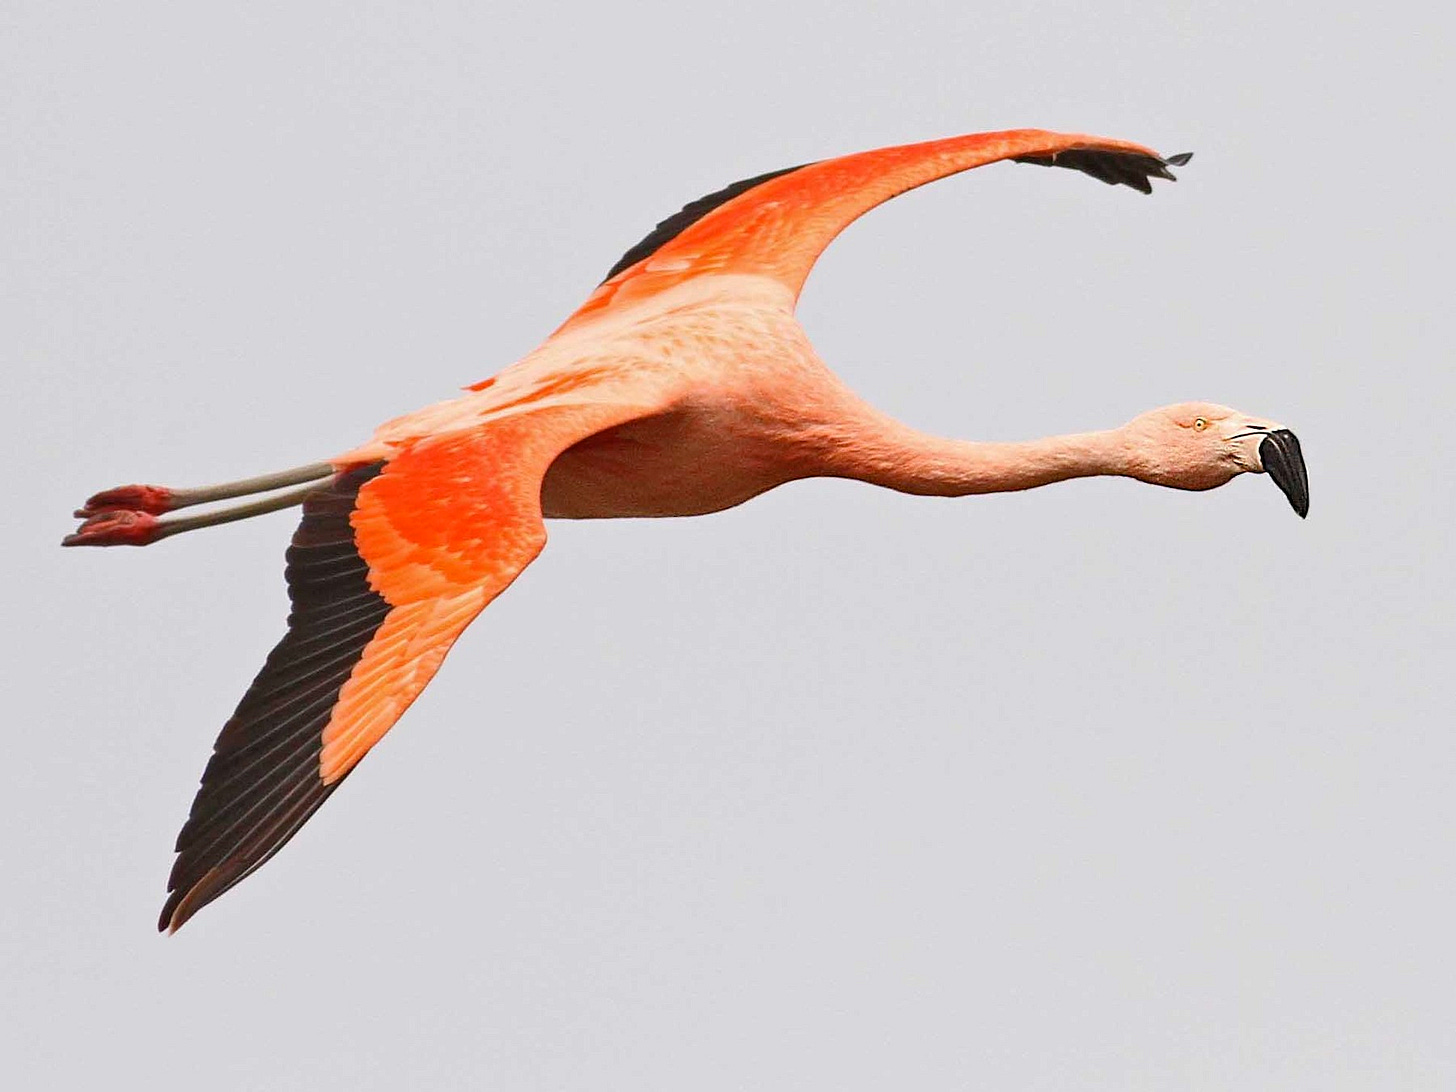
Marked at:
<point>897,457</point>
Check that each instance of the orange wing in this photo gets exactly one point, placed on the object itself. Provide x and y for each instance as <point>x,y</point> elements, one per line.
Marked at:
<point>388,567</point>
<point>777,224</point>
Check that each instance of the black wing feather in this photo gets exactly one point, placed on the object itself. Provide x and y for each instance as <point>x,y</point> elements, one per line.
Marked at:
<point>1115,168</point>
<point>669,229</point>
<point>263,782</point>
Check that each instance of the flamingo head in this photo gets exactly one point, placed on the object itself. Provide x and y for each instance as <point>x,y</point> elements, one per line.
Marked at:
<point>1201,445</point>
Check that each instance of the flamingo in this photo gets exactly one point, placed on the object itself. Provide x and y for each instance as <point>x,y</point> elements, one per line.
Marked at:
<point>683,385</point>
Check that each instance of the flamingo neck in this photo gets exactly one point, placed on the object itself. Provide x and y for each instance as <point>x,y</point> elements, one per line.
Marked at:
<point>900,458</point>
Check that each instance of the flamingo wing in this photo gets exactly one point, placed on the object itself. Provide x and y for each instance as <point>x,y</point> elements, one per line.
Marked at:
<point>391,562</point>
<point>777,224</point>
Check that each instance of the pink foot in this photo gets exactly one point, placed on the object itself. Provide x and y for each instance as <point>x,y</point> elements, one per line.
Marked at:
<point>116,528</point>
<point>155,499</point>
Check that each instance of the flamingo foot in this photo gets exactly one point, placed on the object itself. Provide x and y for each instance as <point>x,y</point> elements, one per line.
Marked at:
<point>117,527</point>
<point>153,499</point>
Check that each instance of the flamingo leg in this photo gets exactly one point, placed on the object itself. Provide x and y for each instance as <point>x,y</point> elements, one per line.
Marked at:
<point>156,499</point>
<point>127,516</point>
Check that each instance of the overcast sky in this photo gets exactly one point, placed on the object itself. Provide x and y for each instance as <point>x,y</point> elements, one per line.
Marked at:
<point>1098,786</point>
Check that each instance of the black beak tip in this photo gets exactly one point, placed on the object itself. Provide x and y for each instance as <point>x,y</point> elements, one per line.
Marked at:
<point>1284,463</point>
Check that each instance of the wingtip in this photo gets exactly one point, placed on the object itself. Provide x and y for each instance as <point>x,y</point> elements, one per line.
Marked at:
<point>184,900</point>
<point>167,922</point>
<point>181,904</point>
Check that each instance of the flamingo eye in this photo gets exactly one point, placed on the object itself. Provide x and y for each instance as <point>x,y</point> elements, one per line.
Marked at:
<point>1200,423</point>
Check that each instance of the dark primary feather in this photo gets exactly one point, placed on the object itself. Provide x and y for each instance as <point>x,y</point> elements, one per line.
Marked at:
<point>263,781</point>
<point>1114,168</point>
<point>686,217</point>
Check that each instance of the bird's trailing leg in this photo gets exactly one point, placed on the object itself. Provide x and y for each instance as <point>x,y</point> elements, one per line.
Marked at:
<point>156,499</point>
<point>127,515</point>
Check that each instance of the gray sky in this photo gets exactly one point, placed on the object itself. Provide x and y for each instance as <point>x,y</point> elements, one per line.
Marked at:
<point>1099,786</point>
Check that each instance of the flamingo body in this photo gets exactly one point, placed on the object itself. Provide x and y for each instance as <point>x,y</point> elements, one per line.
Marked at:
<point>683,385</point>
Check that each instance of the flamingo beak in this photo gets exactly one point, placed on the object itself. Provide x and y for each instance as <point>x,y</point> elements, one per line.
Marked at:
<point>1284,463</point>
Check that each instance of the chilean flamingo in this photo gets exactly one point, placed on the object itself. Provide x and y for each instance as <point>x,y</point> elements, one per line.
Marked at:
<point>683,385</point>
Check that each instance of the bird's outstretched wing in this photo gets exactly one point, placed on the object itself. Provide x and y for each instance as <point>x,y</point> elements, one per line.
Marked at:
<point>390,564</point>
<point>778,223</point>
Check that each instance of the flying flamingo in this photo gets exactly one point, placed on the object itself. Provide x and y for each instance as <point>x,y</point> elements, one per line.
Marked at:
<point>683,385</point>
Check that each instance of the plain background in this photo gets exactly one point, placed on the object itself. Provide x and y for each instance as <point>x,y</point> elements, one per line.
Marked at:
<point>1099,786</point>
